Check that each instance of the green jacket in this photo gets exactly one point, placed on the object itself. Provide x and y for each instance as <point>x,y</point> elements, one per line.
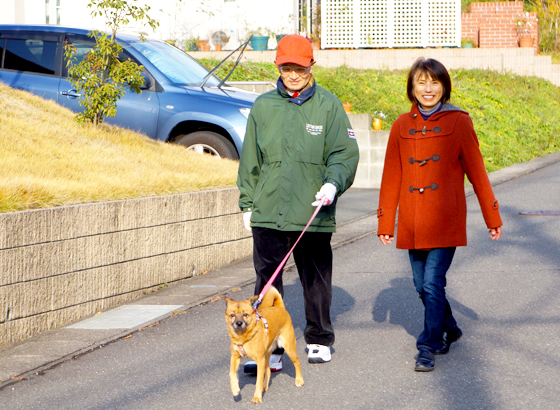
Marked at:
<point>292,147</point>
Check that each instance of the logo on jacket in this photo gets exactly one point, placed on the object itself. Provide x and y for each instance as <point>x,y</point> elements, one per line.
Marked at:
<point>314,129</point>
<point>351,133</point>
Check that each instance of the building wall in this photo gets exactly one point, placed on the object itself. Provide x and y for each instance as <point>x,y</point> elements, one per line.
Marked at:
<point>179,19</point>
<point>492,24</point>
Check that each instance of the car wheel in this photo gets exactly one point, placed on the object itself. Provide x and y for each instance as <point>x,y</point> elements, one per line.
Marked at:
<point>207,142</point>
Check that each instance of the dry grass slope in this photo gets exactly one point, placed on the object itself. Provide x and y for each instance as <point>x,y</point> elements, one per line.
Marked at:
<point>50,160</point>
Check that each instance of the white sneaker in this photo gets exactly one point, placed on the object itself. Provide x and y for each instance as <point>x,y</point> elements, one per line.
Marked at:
<point>318,353</point>
<point>275,363</point>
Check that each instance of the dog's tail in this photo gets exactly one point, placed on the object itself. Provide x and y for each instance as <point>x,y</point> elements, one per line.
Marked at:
<point>272,298</point>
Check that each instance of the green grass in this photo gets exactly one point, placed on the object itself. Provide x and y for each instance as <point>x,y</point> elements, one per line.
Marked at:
<point>516,118</point>
<point>555,57</point>
<point>50,160</point>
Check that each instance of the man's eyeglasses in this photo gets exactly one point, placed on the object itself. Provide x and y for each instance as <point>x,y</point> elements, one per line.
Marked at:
<point>284,69</point>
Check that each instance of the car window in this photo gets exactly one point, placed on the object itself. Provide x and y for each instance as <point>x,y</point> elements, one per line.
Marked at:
<point>83,45</point>
<point>36,56</point>
<point>177,66</point>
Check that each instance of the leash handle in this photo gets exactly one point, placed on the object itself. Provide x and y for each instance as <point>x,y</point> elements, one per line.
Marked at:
<point>279,268</point>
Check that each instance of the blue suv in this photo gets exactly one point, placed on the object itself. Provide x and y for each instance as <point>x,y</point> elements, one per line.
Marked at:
<point>180,102</point>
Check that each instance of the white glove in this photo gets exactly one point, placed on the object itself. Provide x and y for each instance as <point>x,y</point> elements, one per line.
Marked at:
<point>247,220</point>
<point>328,191</point>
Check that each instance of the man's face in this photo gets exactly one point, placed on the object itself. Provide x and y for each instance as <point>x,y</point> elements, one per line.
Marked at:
<point>295,77</point>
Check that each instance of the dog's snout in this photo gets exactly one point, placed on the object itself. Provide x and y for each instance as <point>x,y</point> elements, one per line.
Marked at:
<point>239,323</point>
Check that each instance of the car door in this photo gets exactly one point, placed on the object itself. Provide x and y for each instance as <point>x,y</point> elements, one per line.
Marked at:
<point>31,62</point>
<point>138,112</point>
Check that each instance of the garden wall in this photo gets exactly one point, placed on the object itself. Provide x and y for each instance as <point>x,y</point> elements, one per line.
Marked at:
<point>61,264</point>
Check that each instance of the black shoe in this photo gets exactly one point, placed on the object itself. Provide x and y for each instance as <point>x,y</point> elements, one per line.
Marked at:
<point>447,339</point>
<point>425,360</point>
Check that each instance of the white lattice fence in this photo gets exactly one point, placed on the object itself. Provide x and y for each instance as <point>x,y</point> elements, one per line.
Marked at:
<point>390,23</point>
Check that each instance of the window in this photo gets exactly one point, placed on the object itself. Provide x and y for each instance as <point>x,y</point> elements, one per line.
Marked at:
<point>52,11</point>
<point>35,56</point>
<point>83,44</point>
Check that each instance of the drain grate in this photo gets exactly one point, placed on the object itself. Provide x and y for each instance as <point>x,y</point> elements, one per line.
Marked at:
<point>125,317</point>
<point>541,213</point>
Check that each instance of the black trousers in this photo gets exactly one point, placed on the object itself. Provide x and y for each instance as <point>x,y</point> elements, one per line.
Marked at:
<point>313,257</point>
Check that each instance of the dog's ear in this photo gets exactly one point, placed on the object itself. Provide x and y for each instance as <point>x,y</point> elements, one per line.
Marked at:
<point>253,299</point>
<point>228,301</point>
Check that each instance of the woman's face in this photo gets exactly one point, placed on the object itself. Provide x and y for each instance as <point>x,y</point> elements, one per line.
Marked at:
<point>427,91</point>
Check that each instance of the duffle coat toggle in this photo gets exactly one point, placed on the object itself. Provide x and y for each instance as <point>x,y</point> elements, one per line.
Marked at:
<point>433,187</point>
<point>424,161</point>
<point>424,130</point>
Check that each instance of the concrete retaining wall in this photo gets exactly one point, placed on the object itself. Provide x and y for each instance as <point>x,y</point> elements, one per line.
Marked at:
<point>373,145</point>
<point>61,264</point>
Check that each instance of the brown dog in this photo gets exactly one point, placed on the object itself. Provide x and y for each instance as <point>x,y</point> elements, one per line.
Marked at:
<point>256,338</point>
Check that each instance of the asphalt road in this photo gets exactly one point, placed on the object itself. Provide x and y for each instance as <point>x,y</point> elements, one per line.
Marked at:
<point>505,295</point>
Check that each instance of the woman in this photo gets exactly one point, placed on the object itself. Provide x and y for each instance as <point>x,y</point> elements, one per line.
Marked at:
<point>429,151</point>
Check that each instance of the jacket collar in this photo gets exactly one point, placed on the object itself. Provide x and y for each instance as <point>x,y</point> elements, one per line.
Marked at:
<point>305,95</point>
<point>445,109</point>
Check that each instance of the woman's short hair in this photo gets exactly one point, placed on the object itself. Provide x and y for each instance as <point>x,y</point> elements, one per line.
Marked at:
<point>433,68</point>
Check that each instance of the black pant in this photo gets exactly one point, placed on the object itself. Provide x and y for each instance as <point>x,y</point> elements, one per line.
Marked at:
<point>313,257</point>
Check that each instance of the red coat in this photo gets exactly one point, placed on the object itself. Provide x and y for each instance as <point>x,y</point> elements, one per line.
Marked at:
<point>424,176</point>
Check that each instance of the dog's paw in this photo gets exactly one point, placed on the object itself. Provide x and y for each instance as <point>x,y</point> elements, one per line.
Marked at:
<point>235,388</point>
<point>256,400</point>
<point>299,382</point>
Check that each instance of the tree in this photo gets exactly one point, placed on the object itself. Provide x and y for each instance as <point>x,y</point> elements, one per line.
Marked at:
<point>549,23</point>
<point>101,77</point>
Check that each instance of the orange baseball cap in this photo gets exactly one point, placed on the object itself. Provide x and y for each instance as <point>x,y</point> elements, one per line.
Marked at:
<point>294,49</point>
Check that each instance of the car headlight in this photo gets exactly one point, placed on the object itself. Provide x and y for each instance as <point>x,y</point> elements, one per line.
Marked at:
<point>245,112</point>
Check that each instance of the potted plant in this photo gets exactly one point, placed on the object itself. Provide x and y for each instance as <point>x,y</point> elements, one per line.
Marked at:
<point>524,28</point>
<point>466,43</point>
<point>203,45</point>
<point>191,44</point>
<point>377,123</point>
<point>259,41</point>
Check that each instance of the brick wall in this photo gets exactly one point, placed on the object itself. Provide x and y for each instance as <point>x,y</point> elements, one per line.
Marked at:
<point>492,25</point>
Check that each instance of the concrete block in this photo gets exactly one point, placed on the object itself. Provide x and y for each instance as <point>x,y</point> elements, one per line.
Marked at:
<point>74,289</point>
<point>228,201</point>
<point>36,226</point>
<point>377,155</point>
<point>65,221</point>
<point>206,204</point>
<point>362,176</point>
<point>12,266</point>
<point>379,139</point>
<point>133,214</point>
<point>11,230</point>
<point>375,174</point>
<point>365,155</point>
<point>25,299</point>
<point>360,122</point>
<point>41,260</point>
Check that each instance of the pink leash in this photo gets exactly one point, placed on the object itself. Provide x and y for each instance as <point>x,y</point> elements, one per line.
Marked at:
<point>279,268</point>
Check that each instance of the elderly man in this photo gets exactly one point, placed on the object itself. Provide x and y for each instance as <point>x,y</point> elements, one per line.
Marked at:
<point>299,148</point>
